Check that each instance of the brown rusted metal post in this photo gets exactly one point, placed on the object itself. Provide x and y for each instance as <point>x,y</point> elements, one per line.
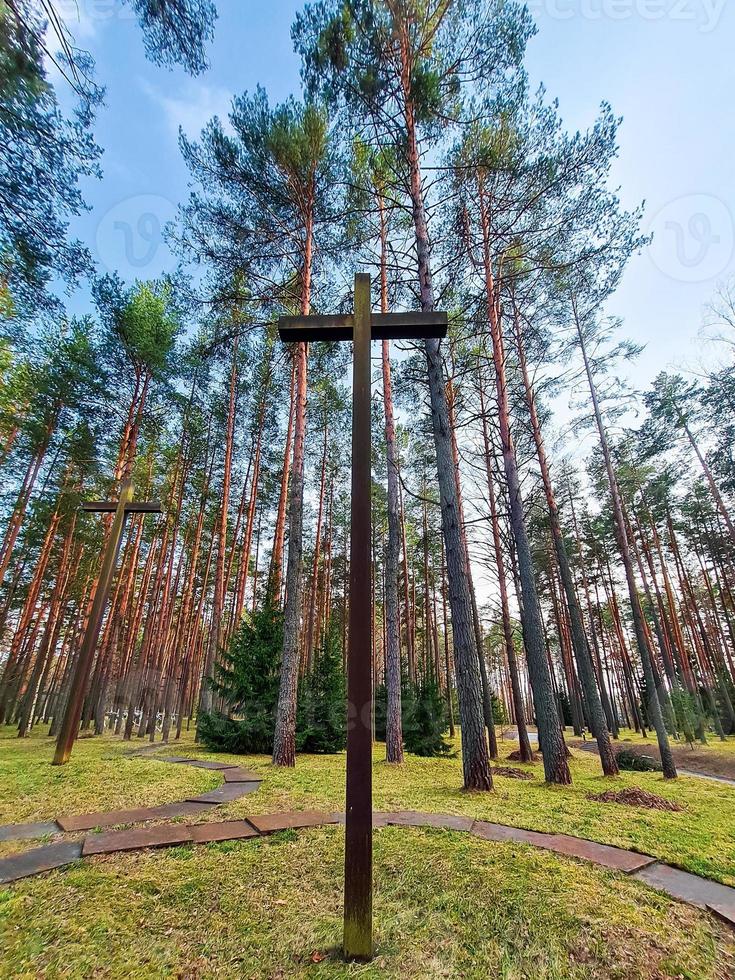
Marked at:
<point>69,728</point>
<point>358,914</point>
<point>360,327</point>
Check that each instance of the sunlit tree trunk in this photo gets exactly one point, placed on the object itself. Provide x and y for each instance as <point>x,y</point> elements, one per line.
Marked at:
<point>654,705</point>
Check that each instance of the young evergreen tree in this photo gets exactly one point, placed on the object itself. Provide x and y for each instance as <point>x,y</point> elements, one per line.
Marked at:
<point>425,717</point>
<point>321,721</point>
<point>247,680</point>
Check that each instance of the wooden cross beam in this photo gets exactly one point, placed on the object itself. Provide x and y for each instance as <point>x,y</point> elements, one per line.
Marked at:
<point>110,506</point>
<point>360,327</point>
<point>69,728</point>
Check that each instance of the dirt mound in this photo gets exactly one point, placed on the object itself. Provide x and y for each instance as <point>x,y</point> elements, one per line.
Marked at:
<point>516,756</point>
<point>511,773</point>
<point>635,797</point>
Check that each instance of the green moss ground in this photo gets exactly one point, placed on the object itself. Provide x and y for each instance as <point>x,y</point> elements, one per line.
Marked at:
<point>701,838</point>
<point>447,905</point>
<point>96,778</point>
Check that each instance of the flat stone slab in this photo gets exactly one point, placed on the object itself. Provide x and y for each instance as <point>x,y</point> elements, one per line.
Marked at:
<point>173,758</point>
<point>28,831</point>
<point>725,912</point>
<point>134,840</point>
<point>208,833</point>
<point>226,793</point>
<point>184,808</point>
<point>205,764</point>
<point>614,858</point>
<point>111,818</point>
<point>413,818</point>
<point>688,887</point>
<point>268,823</point>
<point>238,775</point>
<point>500,833</point>
<point>38,860</point>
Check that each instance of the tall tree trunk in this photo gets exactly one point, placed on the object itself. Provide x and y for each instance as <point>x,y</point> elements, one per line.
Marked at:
<point>475,757</point>
<point>393,723</point>
<point>206,695</point>
<point>525,750</point>
<point>582,654</point>
<point>654,705</point>
<point>21,503</point>
<point>551,739</point>
<point>311,610</point>
<point>447,670</point>
<point>487,703</point>
<point>284,741</point>
<point>275,574</point>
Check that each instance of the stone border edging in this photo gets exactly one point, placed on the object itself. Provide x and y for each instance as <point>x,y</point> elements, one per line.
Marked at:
<point>238,782</point>
<point>677,883</point>
<point>681,885</point>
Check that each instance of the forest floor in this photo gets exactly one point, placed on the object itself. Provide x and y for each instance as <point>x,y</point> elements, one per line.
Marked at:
<point>716,758</point>
<point>446,904</point>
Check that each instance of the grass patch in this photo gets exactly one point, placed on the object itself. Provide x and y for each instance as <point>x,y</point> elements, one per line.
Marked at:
<point>446,905</point>
<point>701,838</point>
<point>97,777</point>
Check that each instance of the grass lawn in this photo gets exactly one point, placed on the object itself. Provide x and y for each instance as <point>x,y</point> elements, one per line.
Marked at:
<point>96,778</point>
<point>446,904</point>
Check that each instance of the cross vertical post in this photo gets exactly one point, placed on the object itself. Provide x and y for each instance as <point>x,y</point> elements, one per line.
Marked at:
<point>358,911</point>
<point>73,712</point>
<point>361,327</point>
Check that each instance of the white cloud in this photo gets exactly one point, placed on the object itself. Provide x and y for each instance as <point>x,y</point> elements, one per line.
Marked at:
<point>193,107</point>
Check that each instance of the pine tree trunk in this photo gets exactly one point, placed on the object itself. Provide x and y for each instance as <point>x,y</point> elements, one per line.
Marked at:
<point>393,726</point>
<point>551,739</point>
<point>447,669</point>
<point>16,518</point>
<point>206,695</point>
<point>525,750</point>
<point>580,646</point>
<point>475,758</point>
<point>654,705</point>
<point>284,744</point>
<point>284,741</point>
<point>487,704</point>
<point>275,574</point>
<point>311,610</point>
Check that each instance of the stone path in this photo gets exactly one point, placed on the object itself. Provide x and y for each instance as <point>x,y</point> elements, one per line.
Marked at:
<point>701,892</point>
<point>643,750</point>
<point>238,783</point>
<point>727,780</point>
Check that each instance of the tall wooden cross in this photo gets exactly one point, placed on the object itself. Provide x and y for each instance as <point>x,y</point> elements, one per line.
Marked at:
<point>73,712</point>
<point>360,327</point>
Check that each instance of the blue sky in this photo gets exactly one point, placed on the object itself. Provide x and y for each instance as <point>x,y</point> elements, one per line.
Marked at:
<point>666,66</point>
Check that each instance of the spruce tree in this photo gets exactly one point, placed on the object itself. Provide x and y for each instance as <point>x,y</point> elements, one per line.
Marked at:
<point>321,721</point>
<point>247,680</point>
<point>425,718</point>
